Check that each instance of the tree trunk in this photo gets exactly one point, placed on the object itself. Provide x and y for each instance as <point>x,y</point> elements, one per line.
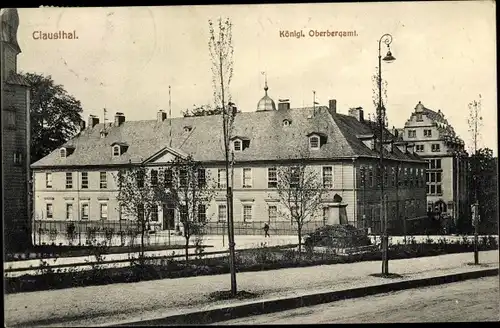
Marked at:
<point>142,242</point>
<point>299,232</point>
<point>187,249</point>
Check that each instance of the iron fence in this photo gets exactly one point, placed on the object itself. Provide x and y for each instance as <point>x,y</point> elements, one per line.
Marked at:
<point>113,233</point>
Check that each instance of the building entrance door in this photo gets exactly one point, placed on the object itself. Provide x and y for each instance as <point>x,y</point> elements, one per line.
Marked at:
<point>168,217</point>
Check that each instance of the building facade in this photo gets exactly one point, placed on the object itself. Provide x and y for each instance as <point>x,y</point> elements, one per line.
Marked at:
<point>15,138</point>
<point>76,182</point>
<point>446,178</point>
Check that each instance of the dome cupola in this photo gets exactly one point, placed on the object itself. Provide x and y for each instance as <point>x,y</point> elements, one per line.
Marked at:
<point>266,103</point>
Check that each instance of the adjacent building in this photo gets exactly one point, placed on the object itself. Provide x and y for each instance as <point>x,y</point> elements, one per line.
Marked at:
<point>15,105</point>
<point>76,183</point>
<point>446,177</point>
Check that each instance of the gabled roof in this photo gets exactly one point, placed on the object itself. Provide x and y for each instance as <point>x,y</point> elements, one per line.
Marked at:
<point>269,139</point>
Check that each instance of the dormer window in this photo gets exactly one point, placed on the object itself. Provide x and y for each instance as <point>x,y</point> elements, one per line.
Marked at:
<point>314,142</point>
<point>104,134</point>
<point>419,117</point>
<point>116,150</point>
<point>66,151</point>
<point>188,128</point>
<point>240,143</point>
<point>237,145</point>
<point>287,122</point>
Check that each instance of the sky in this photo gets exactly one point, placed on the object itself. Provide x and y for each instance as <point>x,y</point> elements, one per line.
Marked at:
<point>125,58</point>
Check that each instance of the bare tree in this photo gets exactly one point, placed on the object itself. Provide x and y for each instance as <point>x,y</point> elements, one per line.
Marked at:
<point>192,190</point>
<point>475,124</point>
<point>221,50</point>
<point>300,191</point>
<point>139,196</point>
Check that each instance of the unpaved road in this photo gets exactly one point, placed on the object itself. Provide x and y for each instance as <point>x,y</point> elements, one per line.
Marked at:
<point>471,300</point>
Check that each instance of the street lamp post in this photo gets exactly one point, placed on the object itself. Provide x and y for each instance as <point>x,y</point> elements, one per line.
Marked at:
<point>387,39</point>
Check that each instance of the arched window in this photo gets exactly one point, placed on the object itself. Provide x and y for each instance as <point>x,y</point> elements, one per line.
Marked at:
<point>63,152</point>
<point>116,150</point>
<point>314,142</point>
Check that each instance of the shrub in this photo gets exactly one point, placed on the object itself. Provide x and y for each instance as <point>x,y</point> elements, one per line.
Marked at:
<point>71,233</point>
<point>108,234</point>
<point>91,235</point>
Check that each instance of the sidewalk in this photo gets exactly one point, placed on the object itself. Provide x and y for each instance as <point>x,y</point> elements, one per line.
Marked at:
<point>111,304</point>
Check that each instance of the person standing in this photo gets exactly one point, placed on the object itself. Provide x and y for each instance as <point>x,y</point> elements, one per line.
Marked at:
<point>266,230</point>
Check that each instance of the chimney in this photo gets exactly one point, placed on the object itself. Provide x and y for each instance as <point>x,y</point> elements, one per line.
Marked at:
<point>357,113</point>
<point>332,106</point>
<point>161,116</point>
<point>119,118</point>
<point>93,121</point>
<point>283,104</point>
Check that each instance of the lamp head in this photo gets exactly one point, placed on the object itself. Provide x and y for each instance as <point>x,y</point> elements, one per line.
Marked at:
<point>389,58</point>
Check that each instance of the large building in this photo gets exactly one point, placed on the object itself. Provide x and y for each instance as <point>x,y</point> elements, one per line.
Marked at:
<point>446,178</point>
<point>15,138</point>
<point>75,183</point>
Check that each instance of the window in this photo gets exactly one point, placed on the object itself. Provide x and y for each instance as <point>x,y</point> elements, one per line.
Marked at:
<point>69,180</point>
<point>427,133</point>
<point>140,179</point>
<point>222,213</point>
<point>116,150</point>
<point>412,133</point>
<point>202,213</point>
<point>10,118</point>
<point>370,177</point>
<point>314,142</point>
<point>294,213</point>
<point>104,211</point>
<point>247,213</point>
<point>63,152</point>
<point>168,178</point>
<point>434,183</point>
<point>202,178</point>
<point>325,215</point>
<point>405,177</point>
<point>18,158</point>
<point>419,148</point>
<point>69,211</point>
<point>419,117</point>
<point>48,180</point>
<point>154,214</point>
<point>393,174</point>
<point>327,177</point>
<point>286,122</point>
<point>272,212</point>
<point>436,148</point>
<point>237,145</point>
<point>50,212</point>
<point>183,178</point>
<point>295,177</point>
<point>103,180</point>
<point>85,180</point>
<point>221,179</point>
<point>434,164</point>
<point>247,178</point>
<point>412,180</point>
<point>85,211</point>
<point>272,177</point>
<point>154,178</point>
